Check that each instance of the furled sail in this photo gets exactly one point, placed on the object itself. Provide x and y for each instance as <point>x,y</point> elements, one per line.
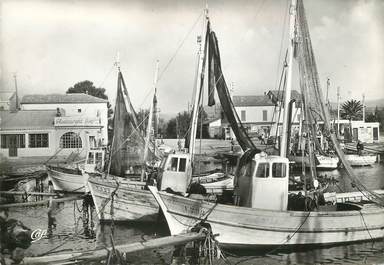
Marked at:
<point>128,143</point>
<point>216,79</point>
<point>314,95</point>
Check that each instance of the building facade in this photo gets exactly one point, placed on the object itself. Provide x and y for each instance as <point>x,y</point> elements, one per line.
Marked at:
<point>264,114</point>
<point>60,128</point>
<point>367,132</point>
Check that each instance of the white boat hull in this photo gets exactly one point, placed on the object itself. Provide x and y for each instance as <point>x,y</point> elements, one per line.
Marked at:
<point>363,160</point>
<point>67,182</point>
<point>325,162</point>
<point>130,203</point>
<point>249,227</point>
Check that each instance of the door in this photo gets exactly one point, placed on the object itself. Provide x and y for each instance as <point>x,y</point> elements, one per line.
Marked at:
<point>12,151</point>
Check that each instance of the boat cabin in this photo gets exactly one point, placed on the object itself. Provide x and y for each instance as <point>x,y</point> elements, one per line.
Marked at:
<point>94,160</point>
<point>263,183</point>
<point>176,172</point>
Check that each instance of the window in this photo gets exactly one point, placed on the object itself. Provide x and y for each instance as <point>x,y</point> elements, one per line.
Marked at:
<point>38,140</point>
<point>99,158</point>
<point>70,140</point>
<point>278,170</point>
<point>79,110</point>
<point>90,158</point>
<point>262,170</point>
<point>12,140</point>
<point>92,141</point>
<point>182,164</point>
<point>174,164</point>
<point>265,115</point>
<point>243,116</point>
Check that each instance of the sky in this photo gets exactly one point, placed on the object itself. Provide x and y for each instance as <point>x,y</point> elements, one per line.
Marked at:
<point>51,45</point>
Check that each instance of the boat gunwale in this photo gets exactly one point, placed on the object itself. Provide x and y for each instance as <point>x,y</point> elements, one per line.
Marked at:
<point>264,212</point>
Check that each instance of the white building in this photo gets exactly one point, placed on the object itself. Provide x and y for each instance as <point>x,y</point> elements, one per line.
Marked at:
<point>53,126</point>
<point>367,132</point>
<point>77,110</point>
<point>261,113</point>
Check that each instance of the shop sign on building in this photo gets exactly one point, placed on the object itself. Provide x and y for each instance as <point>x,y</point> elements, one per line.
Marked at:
<point>76,121</point>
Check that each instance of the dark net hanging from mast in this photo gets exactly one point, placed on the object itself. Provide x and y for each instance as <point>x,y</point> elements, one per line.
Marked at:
<point>313,95</point>
<point>128,144</point>
<point>216,79</point>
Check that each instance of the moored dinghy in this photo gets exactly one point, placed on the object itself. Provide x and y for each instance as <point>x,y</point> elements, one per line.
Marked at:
<point>259,216</point>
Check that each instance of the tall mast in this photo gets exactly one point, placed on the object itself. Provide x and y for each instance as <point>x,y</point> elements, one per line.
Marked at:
<point>197,96</point>
<point>150,117</point>
<point>338,110</point>
<point>16,92</point>
<point>287,96</point>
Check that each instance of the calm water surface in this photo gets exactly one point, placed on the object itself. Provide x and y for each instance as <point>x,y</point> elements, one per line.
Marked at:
<point>68,235</point>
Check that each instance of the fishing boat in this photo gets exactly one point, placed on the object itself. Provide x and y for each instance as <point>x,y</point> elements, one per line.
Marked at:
<point>259,215</point>
<point>322,161</point>
<point>72,178</point>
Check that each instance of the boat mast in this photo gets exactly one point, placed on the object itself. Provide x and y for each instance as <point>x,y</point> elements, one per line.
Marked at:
<point>287,96</point>
<point>149,125</point>
<point>199,82</point>
<point>338,111</point>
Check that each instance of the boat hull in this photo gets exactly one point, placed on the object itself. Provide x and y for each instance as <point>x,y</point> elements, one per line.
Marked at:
<point>130,202</point>
<point>325,162</point>
<point>363,160</point>
<point>67,182</point>
<point>243,227</point>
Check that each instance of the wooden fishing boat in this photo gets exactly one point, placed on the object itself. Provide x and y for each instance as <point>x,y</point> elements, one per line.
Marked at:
<point>251,227</point>
<point>72,179</point>
<point>259,216</point>
<point>132,201</point>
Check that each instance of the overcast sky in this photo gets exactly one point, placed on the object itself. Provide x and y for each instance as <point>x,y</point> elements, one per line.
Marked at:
<point>51,45</point>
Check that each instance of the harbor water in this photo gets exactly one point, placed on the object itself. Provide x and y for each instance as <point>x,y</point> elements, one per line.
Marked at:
<point>68,234</point>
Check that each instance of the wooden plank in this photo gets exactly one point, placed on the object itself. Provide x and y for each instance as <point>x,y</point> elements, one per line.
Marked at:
<point>126,248</point>
<point>28,193</point>
<point>26,204</point>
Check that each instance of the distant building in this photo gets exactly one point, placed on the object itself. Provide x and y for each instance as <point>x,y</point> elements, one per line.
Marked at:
<point>258,114</point>
<point>367,132</point>
<point>53,125</point>
<point>263,113</point>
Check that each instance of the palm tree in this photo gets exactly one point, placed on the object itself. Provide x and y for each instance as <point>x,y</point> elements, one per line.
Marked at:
<point>352,110</point>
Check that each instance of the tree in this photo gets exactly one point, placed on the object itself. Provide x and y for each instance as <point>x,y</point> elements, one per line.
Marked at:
<point>87,87</point>
<point>179,126</point>
<point>352,110</point>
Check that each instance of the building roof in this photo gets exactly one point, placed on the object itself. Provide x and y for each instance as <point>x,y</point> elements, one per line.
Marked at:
<point>250,101</point>
<point>277,96</point>
<point>27,119</point>
<point>61,98</point>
